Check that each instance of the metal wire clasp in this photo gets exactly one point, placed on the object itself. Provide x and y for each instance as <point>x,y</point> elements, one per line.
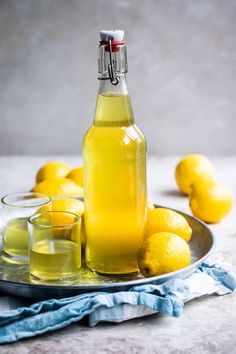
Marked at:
<point>113,79</point>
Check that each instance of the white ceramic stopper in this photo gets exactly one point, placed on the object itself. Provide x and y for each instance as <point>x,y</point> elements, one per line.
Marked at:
<point>117,35</point>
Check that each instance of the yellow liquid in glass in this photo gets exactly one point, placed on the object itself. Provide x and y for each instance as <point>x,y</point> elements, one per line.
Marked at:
<point>55,259</point>
<point>114,154</point>
<point>15,239</point>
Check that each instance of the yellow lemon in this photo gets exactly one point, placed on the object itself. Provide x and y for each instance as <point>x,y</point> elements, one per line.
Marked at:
<point>71,205</point>
<point>52,170</point>
<point>193,169</point>
<point>161,219</point>
<point>66,225</point>
<point>162,253</point>
<point>210,202</point>
<point>76,175</point>
<point>59,187</point>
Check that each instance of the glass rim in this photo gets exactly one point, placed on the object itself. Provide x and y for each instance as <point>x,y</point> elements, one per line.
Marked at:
<point>31,219</point>
<point>21,194</point>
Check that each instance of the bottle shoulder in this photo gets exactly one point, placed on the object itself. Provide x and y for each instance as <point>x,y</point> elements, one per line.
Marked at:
<point>139,132</point>
<point>130,133</point>
<point>115,141</point>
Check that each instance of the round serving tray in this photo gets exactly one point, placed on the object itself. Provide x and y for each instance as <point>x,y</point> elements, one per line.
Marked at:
<point>15,280</point>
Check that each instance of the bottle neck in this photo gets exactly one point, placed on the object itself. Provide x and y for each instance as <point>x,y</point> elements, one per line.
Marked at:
<point>113,104</point>
<point>106,87</point>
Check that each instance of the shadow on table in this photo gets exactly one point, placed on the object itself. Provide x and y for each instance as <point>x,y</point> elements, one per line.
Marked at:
<point>172,193</point>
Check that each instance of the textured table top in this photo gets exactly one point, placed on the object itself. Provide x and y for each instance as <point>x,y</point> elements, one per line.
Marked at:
<point>207,325</point>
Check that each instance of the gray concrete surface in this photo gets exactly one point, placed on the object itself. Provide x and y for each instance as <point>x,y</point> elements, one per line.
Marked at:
<point>182,63</point>
<point>207,325</point>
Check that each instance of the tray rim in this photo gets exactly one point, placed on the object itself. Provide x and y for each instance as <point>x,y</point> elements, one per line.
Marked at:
<point>128,283</point>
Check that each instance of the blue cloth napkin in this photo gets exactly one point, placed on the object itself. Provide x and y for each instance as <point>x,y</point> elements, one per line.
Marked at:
<point>19,321</point>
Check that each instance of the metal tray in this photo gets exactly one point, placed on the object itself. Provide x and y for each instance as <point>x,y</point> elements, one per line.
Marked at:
<point>15,280</point>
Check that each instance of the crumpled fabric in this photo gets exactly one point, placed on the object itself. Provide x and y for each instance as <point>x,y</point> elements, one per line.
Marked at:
<point>19,321</point>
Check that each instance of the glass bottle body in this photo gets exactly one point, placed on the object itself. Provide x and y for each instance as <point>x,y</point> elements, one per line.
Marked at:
<point>114,154</point>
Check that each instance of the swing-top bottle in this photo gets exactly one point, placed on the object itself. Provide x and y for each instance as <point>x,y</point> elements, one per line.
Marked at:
<point>114,155</point>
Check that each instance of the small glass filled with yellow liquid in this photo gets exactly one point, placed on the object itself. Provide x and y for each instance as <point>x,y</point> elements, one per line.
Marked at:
<point>55,247</point>
<point>16,208</point>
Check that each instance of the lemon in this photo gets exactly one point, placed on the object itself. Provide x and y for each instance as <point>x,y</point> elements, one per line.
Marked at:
<point>162,253</point>
<point>161,219</point>
<point>210,202</point>
<point>59,187</point>
<point>71,205</point>
<point>76,175</point>
<point>193,169</point>
<point>66,225</point>
<point>52,170</point>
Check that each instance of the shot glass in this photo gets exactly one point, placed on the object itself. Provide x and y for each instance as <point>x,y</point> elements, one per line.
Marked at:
<point>55,247</point>
<point>15,210</point>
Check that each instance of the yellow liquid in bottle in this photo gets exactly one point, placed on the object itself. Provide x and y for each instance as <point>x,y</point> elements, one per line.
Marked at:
<point>114,155</point>
<point>55,259</point>
<point>15,242</point>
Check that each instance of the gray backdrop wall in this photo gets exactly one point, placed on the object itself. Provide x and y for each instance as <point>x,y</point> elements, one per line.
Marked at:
<point>182,72</point>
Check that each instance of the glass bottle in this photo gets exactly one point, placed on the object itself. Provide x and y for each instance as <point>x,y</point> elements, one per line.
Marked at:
<point>114,155</point>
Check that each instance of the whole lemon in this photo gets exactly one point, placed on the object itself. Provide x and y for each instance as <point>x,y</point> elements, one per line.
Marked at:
<point>162,253</point>
<point>161,219</point>
<point>76,175</point>
<point>193,169</point>
<point>59,187</point>
<point>52,170</point>
<point>66,225</point>
<point>211,201</point>
<point>71,205</point>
